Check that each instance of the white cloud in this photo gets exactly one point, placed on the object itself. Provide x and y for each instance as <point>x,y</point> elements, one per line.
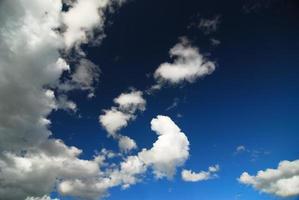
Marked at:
<point>45,197</point>
<point>188,65</point>
<point>131,101</point>
<point>126,144</point>
<point>188,175</point>
<point>113,120</point>
<point>30,70</point>
<point>283,181</point>
<point>116,118</point>
<point>82,18</point>
<point>29,60</point>
<point>21,175</point>
<point>169,151</point>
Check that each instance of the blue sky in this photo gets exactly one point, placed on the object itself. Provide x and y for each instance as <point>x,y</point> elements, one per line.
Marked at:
<point>242,116</point>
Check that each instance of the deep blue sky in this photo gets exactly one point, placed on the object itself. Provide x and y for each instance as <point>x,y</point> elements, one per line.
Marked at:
<point>251,99</point>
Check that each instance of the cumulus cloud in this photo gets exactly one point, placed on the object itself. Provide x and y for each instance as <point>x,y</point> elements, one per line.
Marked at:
<point>188,65</point>
<point>116,118</point>
<point>113,120</point>
<point>21,175</point>
<point>30,70</point>
<point>169,151</point>
<point>131,101</point>
<point>282,181</point>
<point>29,60</point>
<point>190,176</point>
<point>82,18</point>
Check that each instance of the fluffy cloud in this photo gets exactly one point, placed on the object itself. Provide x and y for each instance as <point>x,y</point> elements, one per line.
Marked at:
<point>188,175</point>
<point>21,175</point>
<point>30,70</point>
<point>116,118</point>
<point>29,60</point>
<point>126,144</point>
<point>113,120</point>
<point>131,101</point>
<point>283,181</point>
<point>83,17</point>
<point>31,42</point>
<point>188,65</point>
<point>169,151</point>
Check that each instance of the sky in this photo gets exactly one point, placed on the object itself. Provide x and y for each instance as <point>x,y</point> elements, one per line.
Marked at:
<point>138,99</point>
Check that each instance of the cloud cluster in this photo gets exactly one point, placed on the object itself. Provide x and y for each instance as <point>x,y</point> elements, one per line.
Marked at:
<point>37,39</point>
<point>283,181</point>
<point>190,176</point>
<point>170,151</point>
<point>116,118</point>
<point>188,65</point>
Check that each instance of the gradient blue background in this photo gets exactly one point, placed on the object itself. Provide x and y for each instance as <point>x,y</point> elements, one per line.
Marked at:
<point>251,99</point>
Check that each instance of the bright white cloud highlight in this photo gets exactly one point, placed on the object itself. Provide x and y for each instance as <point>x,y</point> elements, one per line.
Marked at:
<point>82,19</point>
<point>283,181</point>
<point>190,176</point>
<point>131,101</point>
<point>31,88</point>
<point>118,117</point>
<point>188,65</point>
<point>113,120</point>
<point>169,151</point>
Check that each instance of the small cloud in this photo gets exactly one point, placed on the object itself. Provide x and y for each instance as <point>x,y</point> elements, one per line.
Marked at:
<point>179,115</point>
<point>190,176</point>
<point>240,149</point>
<point>215,42</point>
<point>253,153</point>
<point>174,104</point>
<point>209,25</point>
